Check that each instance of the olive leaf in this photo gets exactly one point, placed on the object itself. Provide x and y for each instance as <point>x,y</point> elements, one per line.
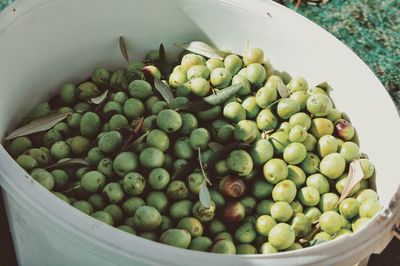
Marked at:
<point>134,145</point>
<point>68,163</point>
<point>325,86</point>
<point>99,99</point>
<point>138,125</point>
<point>164,90</point>
<point>204,49</point>
<point>202,167</point>
<point>165,66</point>
<point>283,90</point>
<point>315,242</point>
<point>122,47</point>
<point>134,135</point>
<point>212,100</point>
<point>345,116</point>
<point>161,52</point>
<point>204,193</point>
<point>223,152</point>
<point>215,146</point>
<point>204,196</point>
<point>356,174</point>
<point>38,125</point>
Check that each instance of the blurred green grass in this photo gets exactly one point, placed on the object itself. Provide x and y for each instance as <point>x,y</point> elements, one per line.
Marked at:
<point>371,28</point>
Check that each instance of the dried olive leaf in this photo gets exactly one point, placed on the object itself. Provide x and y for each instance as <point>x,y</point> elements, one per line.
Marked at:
<point>38,125</point>
<point>212,100</point>
<point>356,174</point>
<point>99,99</point>
<point>283,90</point>
<point>204,196</point>
<point>134,134</point>
<point>134,145</point>
<point>164,90</point>
<point>68,163</point>
<point>165,66</point>
<point>162,54</point>
<point>204,49</point>
<point>122,47</point>
<point>138,125</point>
<point>222,153</point>
<point>215,146</point>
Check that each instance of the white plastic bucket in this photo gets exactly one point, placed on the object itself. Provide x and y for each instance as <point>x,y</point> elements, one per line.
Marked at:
<point>45,43</point>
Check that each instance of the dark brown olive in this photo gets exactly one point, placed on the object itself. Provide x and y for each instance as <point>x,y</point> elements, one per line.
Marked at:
<point>232,186</point>
<point>234,212</point>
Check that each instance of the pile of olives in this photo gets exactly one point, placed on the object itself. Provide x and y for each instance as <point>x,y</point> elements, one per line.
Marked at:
<point>279,192</point>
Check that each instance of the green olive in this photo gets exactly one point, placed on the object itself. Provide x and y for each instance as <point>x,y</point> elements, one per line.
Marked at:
<point>240,162</point>
<point>275,170</point>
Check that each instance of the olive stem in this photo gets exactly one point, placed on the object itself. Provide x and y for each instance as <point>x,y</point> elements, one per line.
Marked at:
<point>274,102</point>
<point>310,235</point>
<point>71,189</point>
<point>265,133</point>
<point>276,141</point>
<point>202,168</point>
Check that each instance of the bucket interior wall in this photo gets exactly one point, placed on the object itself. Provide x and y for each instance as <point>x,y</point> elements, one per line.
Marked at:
<point>44,44</point>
